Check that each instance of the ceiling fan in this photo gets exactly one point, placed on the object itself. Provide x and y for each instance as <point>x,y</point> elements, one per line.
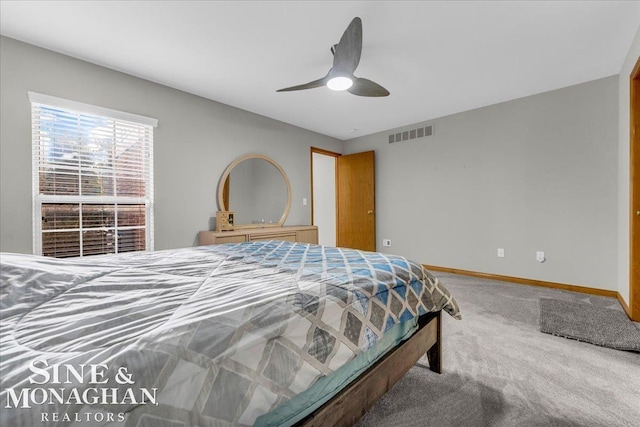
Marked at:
<point>346,57</point>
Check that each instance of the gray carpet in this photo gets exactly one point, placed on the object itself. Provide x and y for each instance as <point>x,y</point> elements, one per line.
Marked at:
<point>585,322</point>
<point>499,370</point>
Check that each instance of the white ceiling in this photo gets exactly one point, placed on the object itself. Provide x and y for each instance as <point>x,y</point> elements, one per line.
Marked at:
<point>436,58</point>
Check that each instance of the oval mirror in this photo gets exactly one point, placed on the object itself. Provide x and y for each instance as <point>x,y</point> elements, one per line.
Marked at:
<point>257,189</point>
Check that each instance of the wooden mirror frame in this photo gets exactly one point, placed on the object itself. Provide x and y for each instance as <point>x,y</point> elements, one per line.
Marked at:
<point>225,176</point>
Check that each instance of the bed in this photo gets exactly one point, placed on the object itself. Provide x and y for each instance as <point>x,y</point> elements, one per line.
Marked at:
<point>257,333</point>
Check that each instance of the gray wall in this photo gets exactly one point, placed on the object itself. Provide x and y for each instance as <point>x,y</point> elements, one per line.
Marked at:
<point>532,174</point>
<point>623,169</point>
<point>194,142</point>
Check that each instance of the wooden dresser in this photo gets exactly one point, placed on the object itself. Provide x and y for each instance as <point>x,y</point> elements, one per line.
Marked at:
<point>295,233</point>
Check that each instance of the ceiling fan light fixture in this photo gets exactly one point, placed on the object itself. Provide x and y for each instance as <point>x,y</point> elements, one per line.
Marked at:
<point>340,83</point>
<point>346,57</point>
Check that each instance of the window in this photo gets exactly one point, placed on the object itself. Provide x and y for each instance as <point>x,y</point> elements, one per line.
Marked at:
<point>92,179</point>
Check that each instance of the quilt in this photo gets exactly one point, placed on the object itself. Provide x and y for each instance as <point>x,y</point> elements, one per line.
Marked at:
<point>203,336</point>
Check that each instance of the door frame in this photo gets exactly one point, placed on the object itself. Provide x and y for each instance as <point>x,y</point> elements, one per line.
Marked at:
<point>634,192</point>
<point>335,156</point>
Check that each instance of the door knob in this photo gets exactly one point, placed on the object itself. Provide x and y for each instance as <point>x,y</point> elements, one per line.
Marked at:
<point>369,212</point>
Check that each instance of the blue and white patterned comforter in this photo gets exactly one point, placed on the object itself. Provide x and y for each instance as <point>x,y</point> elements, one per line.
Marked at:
<point>206,336</point>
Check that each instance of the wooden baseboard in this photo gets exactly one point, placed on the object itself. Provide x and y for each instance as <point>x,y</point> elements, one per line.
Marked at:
<point>532,282</point>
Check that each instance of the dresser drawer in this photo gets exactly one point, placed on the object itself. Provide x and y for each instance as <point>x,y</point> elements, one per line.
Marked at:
<point>308,236</point>
<point>230,239</point>
<point>296,233</point>
<point>289,237</point>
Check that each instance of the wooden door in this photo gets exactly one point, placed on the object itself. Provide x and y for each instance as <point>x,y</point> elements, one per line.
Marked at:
<point>356,222</point>
<point>634,202</point>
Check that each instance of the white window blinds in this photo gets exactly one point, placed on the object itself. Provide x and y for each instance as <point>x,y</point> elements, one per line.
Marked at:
<point>92,179</point>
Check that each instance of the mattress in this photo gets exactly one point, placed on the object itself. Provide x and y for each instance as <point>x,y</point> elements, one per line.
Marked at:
<point>208,336</point>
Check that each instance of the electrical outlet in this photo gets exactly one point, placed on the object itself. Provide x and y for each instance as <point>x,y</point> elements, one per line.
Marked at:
<point>540,256</point>
<point>500,253</point>
<point>386,243</point>
<point>304,201</point>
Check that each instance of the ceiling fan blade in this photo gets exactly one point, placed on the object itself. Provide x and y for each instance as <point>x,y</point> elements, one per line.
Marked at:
<point>347,53</point>
<point>316,83</point>
<point>365,87</point>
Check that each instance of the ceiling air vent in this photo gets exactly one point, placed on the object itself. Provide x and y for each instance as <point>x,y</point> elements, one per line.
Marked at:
<point>428,130</point>
<point>411,134</point>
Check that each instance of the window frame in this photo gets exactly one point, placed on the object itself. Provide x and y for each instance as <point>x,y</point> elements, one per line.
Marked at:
<point>38,200</point>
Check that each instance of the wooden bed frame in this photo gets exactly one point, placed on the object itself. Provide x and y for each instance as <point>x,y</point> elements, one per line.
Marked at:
<point>352,402</point>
